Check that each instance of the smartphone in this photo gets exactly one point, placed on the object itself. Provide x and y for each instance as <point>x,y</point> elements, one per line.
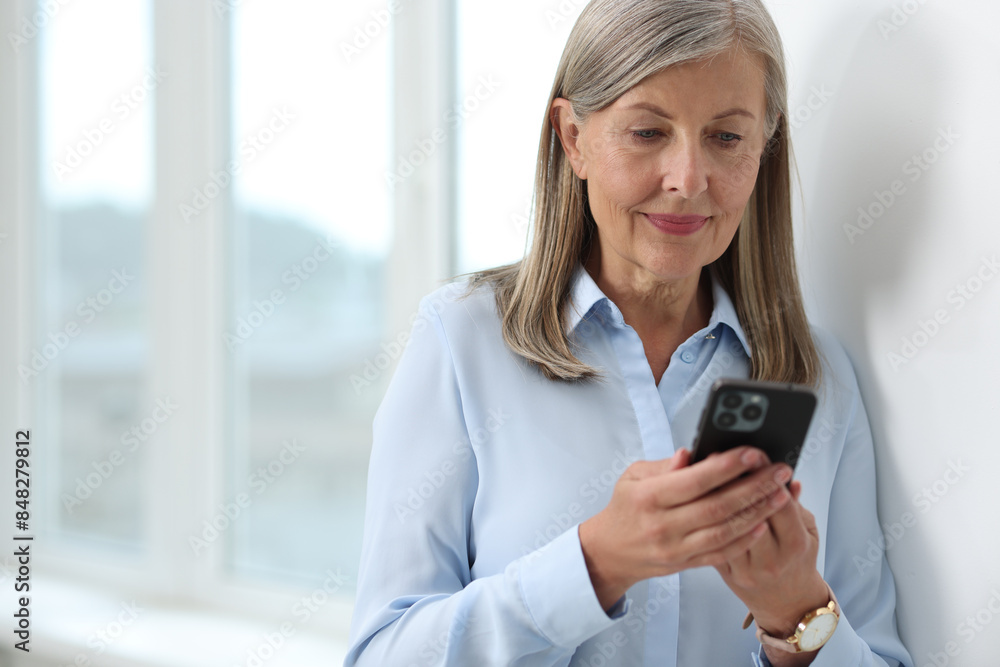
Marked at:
<point>771,416</point>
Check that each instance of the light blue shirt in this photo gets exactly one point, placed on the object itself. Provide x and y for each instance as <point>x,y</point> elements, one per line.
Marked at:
<point>482,470</point>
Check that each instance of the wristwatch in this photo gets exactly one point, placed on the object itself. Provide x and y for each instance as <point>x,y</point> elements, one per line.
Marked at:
<point>812,632</point>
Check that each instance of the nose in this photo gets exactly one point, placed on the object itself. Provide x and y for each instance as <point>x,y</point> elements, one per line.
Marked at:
<point>685,168</point>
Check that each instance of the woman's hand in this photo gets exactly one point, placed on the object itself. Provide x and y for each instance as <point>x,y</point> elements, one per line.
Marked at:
<point>777,578</point>
<point>666,516</point>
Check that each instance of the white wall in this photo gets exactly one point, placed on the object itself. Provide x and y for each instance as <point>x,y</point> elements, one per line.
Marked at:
<point>887,80</point>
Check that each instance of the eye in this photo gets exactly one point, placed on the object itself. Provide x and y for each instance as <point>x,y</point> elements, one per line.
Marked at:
<point>646,135</point>
<point>729,138</point>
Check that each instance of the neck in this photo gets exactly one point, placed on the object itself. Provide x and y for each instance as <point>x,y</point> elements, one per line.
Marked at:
<point>664,313</point>
<point>649,303</point>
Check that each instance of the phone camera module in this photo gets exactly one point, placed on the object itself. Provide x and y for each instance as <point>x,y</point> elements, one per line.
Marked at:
<point>732,400</point>
<point>727,419</point>
<point>741,411</point>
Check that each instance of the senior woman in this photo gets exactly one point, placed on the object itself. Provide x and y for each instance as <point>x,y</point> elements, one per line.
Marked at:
<point>531,500</point>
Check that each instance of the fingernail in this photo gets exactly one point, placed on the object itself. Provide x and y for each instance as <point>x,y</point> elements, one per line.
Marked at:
<point>750,457</point>
<point>783,475</point>
<point>780,498</point>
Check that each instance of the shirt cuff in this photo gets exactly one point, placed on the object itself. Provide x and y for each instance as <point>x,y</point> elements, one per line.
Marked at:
<point>559,596</point>
<point>844,647</point>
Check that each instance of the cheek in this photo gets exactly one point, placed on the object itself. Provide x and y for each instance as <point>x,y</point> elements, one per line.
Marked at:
<point>626,178</point>
<point>736,182</point>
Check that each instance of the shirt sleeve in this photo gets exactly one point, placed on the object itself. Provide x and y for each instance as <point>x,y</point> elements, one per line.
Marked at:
<point>416,600</point>
<point>855,565</point>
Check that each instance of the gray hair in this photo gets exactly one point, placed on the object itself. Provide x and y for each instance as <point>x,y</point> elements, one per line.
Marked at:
<point>615,45</point>
<point>651,35</point>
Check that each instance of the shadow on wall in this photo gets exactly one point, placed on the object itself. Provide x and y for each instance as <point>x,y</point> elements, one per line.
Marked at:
<point>866,202</point>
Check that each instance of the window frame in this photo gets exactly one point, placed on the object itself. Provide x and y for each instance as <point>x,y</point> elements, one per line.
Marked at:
<point>190,292</point>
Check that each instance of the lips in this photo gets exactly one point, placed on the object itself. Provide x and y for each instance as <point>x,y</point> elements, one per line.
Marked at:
<point>680,225</point>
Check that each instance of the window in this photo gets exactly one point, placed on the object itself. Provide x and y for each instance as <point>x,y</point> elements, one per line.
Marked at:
<point>311,237</point>
<point>97,87</point>
<point>501,106</point>
<point>240,223</point>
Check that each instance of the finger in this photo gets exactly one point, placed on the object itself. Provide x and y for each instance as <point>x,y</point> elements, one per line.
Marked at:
<point>788,526</point>
<point>796,489</point>
<point>789,531</point>
<point>808,520</point>
<point>681,458</point>
<point>717,536</point>
<point>733,551</point>
<point>646,469</point>
<point>694,481</point>
<point>742,501</point>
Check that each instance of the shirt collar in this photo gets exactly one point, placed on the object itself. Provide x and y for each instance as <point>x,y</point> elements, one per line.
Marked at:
<point>587,300</point>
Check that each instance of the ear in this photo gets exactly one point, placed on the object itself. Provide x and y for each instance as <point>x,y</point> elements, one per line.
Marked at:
<point>568,128</point>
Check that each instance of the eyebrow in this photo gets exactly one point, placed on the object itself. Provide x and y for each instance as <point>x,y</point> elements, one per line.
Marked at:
<point>646,106</point>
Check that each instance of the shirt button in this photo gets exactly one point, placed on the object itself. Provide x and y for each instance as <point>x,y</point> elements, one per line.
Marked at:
<point>687,356</point>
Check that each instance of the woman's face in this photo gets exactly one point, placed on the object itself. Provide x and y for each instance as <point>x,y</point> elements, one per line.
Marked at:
<point>671,165</point>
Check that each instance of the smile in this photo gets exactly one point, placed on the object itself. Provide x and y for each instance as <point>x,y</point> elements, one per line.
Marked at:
<point>679,225</point>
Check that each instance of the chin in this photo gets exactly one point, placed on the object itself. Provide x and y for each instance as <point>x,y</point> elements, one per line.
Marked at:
<point>676,265</point>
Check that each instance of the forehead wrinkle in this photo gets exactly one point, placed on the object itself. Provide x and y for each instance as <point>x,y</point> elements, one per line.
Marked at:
<point>750,62</point>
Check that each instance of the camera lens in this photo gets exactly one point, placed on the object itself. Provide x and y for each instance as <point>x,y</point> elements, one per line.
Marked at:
<point>731,401</point>
<point>727,419</point>
<point>752,412</point>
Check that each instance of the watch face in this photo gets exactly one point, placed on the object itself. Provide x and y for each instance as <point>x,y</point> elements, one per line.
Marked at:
<point>817,631</point>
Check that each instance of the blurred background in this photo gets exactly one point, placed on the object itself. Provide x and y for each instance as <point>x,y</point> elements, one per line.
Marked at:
<point>217,218</point>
